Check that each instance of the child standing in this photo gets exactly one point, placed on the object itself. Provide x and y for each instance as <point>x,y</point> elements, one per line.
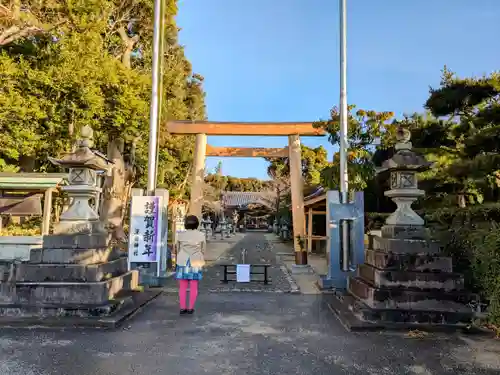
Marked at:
<point>189,263</point>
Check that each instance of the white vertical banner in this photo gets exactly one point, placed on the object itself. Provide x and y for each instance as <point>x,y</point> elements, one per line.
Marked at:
<point>145,233</point>
<point>164,253</point>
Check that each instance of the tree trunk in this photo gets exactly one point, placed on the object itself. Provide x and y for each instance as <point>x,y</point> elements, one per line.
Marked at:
<point>128,46</point>
<point>116,190</point>
<point>27,163</point>
<point>461,201</point>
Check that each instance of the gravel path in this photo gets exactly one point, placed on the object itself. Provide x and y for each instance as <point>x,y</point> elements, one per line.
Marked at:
<point>258,251</point>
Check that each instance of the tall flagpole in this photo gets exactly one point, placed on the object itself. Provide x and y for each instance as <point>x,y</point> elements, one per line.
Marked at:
<point>154,107</point>
<point>343,99</point>
<point>160,88</point>
<point>344,185</point>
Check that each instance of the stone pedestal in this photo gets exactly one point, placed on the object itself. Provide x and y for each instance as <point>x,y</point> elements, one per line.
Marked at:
<point>71,276</point>
<point>405,281</point>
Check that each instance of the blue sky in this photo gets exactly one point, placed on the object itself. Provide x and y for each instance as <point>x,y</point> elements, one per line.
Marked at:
<point>278,60</point>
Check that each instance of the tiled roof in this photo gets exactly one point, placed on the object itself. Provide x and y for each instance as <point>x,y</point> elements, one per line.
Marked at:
<point>317,192</point>
<point>241,199</point>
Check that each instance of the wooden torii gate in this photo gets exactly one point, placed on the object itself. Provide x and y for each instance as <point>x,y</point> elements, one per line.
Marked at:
<point>291,129</point>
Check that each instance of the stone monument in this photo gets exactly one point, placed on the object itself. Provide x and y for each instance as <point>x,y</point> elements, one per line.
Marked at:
<point>77,277</point>
<point>405,281</point>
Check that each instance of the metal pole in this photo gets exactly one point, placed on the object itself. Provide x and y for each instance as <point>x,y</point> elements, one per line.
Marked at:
<point>160,87</point>
<point>344,186</point>
<point>343,100</point>
<point>153,111</point>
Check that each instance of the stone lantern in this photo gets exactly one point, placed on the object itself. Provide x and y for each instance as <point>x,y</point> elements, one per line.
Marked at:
<point>206,225</point>
<point>78,278</point>
<point>403,168</point>
<point>224,228</point>
<point>84,165</point>
<point>405,281</point>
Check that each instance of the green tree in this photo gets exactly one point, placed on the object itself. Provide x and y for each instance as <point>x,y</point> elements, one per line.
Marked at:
<point>472,108</point>
<point>314,160</point>
<point>67,64</point>
<point>364,129</point>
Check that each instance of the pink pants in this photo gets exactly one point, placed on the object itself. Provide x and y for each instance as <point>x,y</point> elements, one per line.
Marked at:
<point>193,293</point>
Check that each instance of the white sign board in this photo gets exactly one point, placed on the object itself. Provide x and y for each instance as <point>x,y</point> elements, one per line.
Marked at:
<point>145,238</point>
<point>243,273</point>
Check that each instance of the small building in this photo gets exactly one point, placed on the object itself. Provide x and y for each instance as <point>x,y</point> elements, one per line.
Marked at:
<point>260,204</point>
<point>315,223</point>
<point>21,197</point>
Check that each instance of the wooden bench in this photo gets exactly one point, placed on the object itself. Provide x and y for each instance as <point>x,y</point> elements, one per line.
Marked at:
<point>230,269</point>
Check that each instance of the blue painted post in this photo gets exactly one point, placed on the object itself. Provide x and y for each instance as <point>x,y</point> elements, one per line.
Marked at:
<point>337,211</point>
<point>358,231</point>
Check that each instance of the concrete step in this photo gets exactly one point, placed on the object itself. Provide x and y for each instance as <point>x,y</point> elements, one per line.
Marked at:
<point>405,232</point>
<point>27,272</point>
<point>81,293</point>
<point>408,262</point>
<point>356,316</point>
<point>62,311</point>
<point>411,279</point>
<point>403,246</point>
<point>76,241</point>
<point>109,315</point>
<point>449,318</point>
<point>406,299</point>
<point>73,256</point>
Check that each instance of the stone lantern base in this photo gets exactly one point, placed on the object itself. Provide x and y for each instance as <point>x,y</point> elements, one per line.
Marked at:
<point>405,283</point>
<point>73,280</point>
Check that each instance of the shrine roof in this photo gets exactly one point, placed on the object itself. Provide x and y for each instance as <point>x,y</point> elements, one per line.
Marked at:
<point>243,198</point>
<point>27,181</point>
<point>316,197</point>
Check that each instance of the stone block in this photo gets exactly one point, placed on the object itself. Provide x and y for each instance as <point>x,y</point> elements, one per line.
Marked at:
<point>404,232</point>
<point>79,227</point>
<point>411,279</point>
<point>408,246</point>
<point>27,272</point>
<point>59,311</point>
<point>106,316</point>
<point>408,262</point>
<point>66,293</point>
<point>406,299</point>
<point>73,256</point>
<point>76,241</point>
<point>411,318</point>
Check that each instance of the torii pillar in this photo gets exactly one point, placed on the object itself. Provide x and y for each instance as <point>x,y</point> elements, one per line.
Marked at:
<point>297,189</point>
<point>200,150</point>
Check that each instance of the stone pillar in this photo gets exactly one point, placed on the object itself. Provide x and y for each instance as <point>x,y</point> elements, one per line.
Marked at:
<point>297,199</point>
<point>200,149</point>
<point>47,210</point>
<point>309,229</point>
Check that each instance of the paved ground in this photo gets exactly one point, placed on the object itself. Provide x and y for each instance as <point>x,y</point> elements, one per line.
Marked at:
<point>240,333</point>
<point>258,251</point>
<point>234,333</point>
